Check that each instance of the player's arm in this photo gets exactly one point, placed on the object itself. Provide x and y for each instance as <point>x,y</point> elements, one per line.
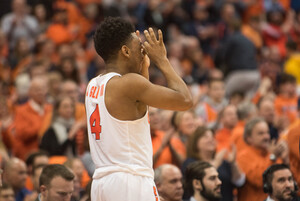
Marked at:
<point>138,88</point>
<point>174,97</point>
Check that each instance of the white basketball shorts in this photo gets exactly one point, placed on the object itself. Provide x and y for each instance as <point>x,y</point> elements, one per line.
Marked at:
<point>121,186</point>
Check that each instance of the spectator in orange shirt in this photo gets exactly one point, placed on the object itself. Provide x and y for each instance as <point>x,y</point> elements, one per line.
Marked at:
<point>30,117</point>
<point>293,140</point>
<point>245,111</point>
<point>286,101</point>
<point>59,31</point>
<point>167,149</point>
<point>259,154</point>
<point>213,103</point>
<point>228,119</point>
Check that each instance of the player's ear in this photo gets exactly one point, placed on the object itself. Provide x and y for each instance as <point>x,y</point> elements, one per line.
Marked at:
<point>125,51</point>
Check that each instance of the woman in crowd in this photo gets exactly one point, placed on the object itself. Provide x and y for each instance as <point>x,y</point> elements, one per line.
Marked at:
<point>59,139</point>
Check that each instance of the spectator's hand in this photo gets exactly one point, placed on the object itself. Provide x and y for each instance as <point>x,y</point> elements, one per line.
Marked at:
<point>167,137</point>
<point>219,158</point>
<point>284,154</point>
<point>281,122</point>
<point>265,86</point>
<point>31,197</point>
<point>231,156</point>
<point>279,149</point>
<point>74,129</point>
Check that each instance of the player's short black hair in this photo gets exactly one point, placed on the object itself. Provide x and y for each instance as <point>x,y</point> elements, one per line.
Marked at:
<point>111,35</point>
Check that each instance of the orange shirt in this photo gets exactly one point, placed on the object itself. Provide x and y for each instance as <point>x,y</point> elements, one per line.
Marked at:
<point>222,137</point>
<point>253,35</point>
<point>254,9</point>
<point>237,136</point>
<point>293,138</point>
<point>211,113</point>
<point>286,107</point>
<point>29,184</point>
<point>253,162</point>
<point>59,34</point>
<point>28,124</point>
<point>79,111</point>
<point>166,155</point>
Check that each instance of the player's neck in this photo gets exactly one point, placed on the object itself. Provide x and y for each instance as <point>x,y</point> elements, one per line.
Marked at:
<point>113,67</point>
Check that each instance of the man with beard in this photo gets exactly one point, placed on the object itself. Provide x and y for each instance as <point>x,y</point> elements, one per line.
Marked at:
<point>279,183</point>
<point>168,179</point>
<point>202,182</point>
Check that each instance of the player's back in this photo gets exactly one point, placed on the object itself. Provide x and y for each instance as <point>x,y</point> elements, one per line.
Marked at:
<point>116,145</point>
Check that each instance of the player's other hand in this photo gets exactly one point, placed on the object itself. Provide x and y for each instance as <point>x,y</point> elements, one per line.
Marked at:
<point>155,47</point>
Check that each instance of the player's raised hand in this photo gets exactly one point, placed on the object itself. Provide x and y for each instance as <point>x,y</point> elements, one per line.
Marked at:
<point>155,47</point>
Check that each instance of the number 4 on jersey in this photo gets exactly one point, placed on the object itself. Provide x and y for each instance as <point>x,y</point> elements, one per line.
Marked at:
<point>95,123</point>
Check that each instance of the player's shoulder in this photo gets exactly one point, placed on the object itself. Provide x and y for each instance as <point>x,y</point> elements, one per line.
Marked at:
<point>132,79</point>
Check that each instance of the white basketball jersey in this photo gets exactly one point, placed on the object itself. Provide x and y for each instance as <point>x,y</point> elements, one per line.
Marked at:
<point>116,145</point>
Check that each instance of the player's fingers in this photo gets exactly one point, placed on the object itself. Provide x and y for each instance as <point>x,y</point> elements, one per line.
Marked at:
<point>147,36</point>
<point>152,34</point>
<point>146,45</point>
<point>137,33</point>
<point>160,36</point>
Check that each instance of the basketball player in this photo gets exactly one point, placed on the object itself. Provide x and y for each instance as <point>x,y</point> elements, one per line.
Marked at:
<point>116,107</point>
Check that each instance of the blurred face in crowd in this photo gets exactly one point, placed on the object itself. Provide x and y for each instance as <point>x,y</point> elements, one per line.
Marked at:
<point>19,7</point>
<point>41,160</point>
<point>17,174</point>
<point>289,88</point>
<point>267,111</point>
<point>282,185</point>
<point>229,118</point>
<point>59,189</point>
<point>78,168</point>
<point>207,142</point>
<point>217,90</point>
<point>70,88</point>
<point>187,124</point>
<point>260,136</point>
<point>154,118</point>
<point>7,195</point>
<point>35,178</point>
<point>66,108</point>
<point>38,90</point>
<point>166,116</point>
<point>211,189</point>
<point>40,12</point>
<point>228,12</point>
<point>170,187</point>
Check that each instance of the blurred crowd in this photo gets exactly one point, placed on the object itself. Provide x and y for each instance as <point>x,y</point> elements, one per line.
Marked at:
<point>239,58</point>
